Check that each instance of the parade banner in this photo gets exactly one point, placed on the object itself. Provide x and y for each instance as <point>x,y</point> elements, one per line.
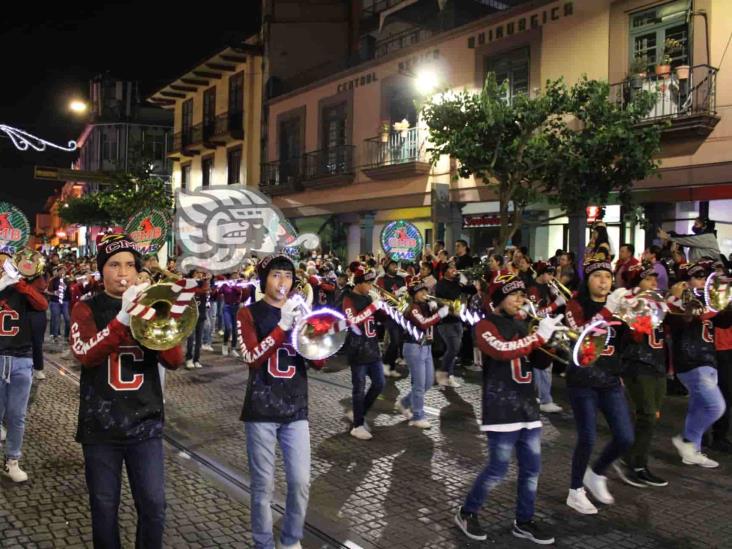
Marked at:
<point>402,241</point>
<point>219,227</point>
<point>14,228</point>
<point>148,229</point>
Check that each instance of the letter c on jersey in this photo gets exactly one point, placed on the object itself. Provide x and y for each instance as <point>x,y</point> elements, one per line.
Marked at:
<point>517,373</point>
<point>11,315</point>
<point>114,369</point>
<point>273,363</point>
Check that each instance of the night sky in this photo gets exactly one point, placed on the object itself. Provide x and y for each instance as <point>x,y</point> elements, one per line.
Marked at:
<point>50,51</point>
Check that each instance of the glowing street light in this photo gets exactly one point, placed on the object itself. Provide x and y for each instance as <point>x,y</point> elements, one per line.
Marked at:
<point>426,80</point>
<point>78,107</point>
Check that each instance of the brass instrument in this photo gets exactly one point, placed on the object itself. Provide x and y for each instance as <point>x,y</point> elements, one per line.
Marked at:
<point>163,331</point>
<point>164,274</point>
<point>401,304</point>
<point>27,263</point>
<point>718,292</point>
<point>584,347</point>
<point>456,306</point>
<point>648,303</point>
<point>309,341</point>
<point>561,289</point>
<point>691,305</point>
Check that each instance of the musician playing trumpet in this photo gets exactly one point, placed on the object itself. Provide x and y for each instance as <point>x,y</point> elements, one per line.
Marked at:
<point>121,402</point>
<point>276,402</point>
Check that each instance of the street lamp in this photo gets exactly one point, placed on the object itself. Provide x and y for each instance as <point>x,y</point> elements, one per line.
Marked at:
<point>426,80</point>
<point>78,106</point>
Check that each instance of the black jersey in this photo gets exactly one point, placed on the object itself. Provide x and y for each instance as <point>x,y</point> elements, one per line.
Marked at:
<point>15,328</point>
<point>420,316</point>
<point>121,401</point>
<point>362,344</point>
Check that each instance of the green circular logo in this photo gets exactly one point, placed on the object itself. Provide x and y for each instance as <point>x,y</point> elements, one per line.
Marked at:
<point>14,227</point>
<point>148,229</point>
<point>401,241</point>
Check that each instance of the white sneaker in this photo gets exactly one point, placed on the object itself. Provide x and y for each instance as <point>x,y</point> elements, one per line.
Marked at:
<point>295,545</point>
<point>452,382</point>
<point>394,373</point>
<point>387,372</point>
<point>406,412</point>
<point>221,332</point>
<point>474,368</point>
<point>597,485</point>
<point>401,362</point>
<point>224,350</point>
<point>690,455</point>
<point>197,364</point>
<point>577,500</point>
<point>13,471</point>
<point>421,423</point>
<point>235,353</point>
<point>3,433</point>
<point>207,348</point>
<point>550,408</point>
<point>441,378</point>
<point>361,433</point>
<point>190,365</point>
<point>39,375</point>
<point>349,415</point>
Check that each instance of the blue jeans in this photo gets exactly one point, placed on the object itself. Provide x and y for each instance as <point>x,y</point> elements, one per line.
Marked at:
<point>294,439</point>
<point>193,344</point>
<point>220,313</point>
<point>452,337</point>
<point>145,471</point>
<point>208,327</point>
<point>362,403</point>
<point>230,312</point>
<point>528,453</point>
<point>59,310</point>
<point>543,380</point>
<point>16,377</point>
<point>614,406</point>
<point>422,372</point>
<point>706,403</point>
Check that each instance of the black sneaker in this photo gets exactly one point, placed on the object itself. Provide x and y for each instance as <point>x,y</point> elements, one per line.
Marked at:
<point>649,478</point>
<point>628,475</point>
<point>469,524</point>
<point>722,445</point>
<point>532,531</point>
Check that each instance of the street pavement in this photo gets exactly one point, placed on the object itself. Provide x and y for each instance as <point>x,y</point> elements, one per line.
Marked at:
<point>399,490</point>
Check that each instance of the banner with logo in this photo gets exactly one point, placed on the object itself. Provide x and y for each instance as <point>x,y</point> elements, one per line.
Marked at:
<point>402,241</point>
<point>148,229</point>
<point>14,228</point>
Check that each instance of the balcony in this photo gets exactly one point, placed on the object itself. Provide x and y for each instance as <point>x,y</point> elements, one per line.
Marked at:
<point>690,104</point>
<point>329,167</point>
<point>397,154</point>
<point>228,127</point>
<point>281,177</point>
<point>189,142</point>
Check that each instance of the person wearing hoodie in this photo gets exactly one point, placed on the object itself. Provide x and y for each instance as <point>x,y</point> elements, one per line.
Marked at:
<point>702,244</point>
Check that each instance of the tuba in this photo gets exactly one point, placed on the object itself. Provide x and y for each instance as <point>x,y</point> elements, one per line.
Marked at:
<point>644,312</point>
<point>318,334</point>
<point>718,292</point>
<point>165,330</point>
<point>27,263</point>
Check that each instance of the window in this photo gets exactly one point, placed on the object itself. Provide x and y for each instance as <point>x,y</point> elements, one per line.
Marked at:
<point>153,144</point>
<point>650,29</point>
<point>236,101</point>
<point>511,67</point>
<point>233,164</point>
<point>334,126</point>
<point>290,147</point>
<point>187,122</point>
<point>206,171</point>
<point>185,176</point>
<point>109,144</point>
<point>209,112</point>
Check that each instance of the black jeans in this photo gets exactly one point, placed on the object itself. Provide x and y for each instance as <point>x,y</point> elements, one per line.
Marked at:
<point>451,334</point>
<point>720,429</point>
<point>391,353</point>
<point>362,402</point>
<point>646,394</point>
<point>193,345</point>
<point>145,471</point>
<point>38,330</point>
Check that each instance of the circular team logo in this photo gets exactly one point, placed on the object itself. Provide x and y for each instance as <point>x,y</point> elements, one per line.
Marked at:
<point>402,241</point>
<point>14,227</point>
<point>148,229</point>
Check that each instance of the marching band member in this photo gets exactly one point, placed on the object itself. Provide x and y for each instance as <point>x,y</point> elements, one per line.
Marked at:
<point>276,403</point>
<point>509,409</point>
<point>695,362</point>
<point>393,283</point>
<point>234,295</point>
<point>644,377</point>
<point>17,299</point>
<point>362,349</point>
<point>597,386</point>
<point>418,352</point>
<point>121,404</point>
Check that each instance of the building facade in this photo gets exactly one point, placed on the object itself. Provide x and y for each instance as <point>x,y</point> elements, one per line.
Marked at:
<point>348,149</point>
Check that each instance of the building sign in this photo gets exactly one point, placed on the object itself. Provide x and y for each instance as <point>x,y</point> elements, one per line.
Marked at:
<point>363,80</point>
<point>522,24</point>
<point>410,64</point>
<point>402,241</point>
<point>481,220</point>
<point>149,230</point>
<point>14,227</point>
<point>593,213</point>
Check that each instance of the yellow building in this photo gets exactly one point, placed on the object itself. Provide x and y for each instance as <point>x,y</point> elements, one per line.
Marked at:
<point>217,105</point>
<point>332,146</point>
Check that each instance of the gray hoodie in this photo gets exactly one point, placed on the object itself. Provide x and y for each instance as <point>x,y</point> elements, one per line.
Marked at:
<point>700,245</point>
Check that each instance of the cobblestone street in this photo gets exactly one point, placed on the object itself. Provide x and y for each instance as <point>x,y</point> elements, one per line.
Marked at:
<point>399,490</point>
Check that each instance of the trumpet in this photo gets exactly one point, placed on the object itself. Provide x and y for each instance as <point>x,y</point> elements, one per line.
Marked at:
<point>401,304</point>
<point>455,305</point>
<point>561,289</point>
<point>164,274</point>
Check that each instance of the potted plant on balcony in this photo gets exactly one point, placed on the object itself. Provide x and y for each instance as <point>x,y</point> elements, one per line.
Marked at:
<point>671,47</point>
<point>637,70</point>
<point>384,131</point>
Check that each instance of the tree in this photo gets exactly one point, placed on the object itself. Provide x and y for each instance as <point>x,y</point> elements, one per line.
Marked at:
<point>574,146</point>
<point>503,143</point>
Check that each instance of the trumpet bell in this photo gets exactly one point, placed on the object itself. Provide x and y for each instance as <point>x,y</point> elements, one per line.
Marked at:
<point>317,336</point>
<point>29,263</point>
<point>163,331</point>
<point>718,292</point>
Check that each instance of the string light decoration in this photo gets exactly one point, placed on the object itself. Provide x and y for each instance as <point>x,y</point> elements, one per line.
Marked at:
<point>24,140</point>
